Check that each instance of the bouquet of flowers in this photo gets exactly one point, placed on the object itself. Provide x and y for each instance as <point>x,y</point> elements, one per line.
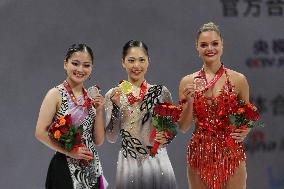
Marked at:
<point>66,134</point>
<point>164,119</point>
<point>243,117</point>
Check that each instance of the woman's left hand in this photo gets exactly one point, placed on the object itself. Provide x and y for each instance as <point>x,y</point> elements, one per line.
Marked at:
<point>161,137</point>
<point>240,134</point>
<point>99,102</point>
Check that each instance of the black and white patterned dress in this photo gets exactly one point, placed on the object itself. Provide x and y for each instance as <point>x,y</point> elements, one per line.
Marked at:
<point>66,172</point>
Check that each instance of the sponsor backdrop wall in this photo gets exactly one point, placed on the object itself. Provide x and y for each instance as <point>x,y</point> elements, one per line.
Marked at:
<point>35,34</point>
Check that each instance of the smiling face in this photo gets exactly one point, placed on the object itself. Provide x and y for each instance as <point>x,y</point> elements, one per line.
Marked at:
<point>136,63</point>
<point>210,46</point>
<point>78,67</point>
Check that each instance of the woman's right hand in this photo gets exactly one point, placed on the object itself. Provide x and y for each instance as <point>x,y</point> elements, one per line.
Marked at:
<point>115,96</point>
<point>81,152</point>
<point>188,92</point>
<point>186,97</point>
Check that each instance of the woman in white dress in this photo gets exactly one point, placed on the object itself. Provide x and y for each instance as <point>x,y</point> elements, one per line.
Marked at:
<point>130,115</point>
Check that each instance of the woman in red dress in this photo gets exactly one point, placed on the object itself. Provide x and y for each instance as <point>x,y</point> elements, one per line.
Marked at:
<point>208,97</point>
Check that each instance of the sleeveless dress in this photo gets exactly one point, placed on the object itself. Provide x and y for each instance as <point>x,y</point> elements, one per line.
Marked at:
<point>136,169</point>
<point>207,152</point>
<point>65,172</point>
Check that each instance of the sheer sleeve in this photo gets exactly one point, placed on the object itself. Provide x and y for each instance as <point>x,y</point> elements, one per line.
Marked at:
<point>166,95</point>
<point>113,119</point>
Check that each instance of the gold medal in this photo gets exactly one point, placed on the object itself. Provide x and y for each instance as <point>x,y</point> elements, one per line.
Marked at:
<point>126,87</point>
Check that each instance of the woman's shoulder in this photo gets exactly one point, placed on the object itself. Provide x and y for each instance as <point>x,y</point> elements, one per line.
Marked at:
<point>235,76</point>
<point>189,78</point>
<point>53,93</point>
<point>238,80</point>
<point>52,97</point>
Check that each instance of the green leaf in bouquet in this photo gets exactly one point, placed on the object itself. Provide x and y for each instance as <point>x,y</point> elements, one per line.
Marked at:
<point>233,120</point>
<point>65,138</point>
<point>79,129</point>
<point>242,120</point>
<point>169,118</point>
<point>250,124</point>
<point>160,120</point>
<point>155,121</point>
<point>71,133</point>
<point>172,128</point>
<point>160,129</point>
<point>73,129</point>
<point>68,146</point>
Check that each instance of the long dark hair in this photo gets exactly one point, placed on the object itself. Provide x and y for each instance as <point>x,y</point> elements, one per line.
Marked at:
<point>134,43</point>
<point>81,47</point>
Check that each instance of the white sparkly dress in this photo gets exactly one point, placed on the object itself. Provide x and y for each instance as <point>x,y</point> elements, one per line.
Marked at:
<point>136,169</point>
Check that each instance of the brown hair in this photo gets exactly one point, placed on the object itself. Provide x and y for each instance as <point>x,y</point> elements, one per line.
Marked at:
<point>210,26</point>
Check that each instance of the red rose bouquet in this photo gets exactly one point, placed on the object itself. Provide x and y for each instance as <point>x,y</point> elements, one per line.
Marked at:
<point>164,119</point>
<point>243,117</point>
<point>66,134</point>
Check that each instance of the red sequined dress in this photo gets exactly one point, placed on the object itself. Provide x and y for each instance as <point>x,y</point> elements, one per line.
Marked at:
<point>207,152</point>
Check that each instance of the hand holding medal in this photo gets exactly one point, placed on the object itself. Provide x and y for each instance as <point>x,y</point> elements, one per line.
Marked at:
<point>93,91</point>
<point>96,98</point>
<point>125,87</point>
